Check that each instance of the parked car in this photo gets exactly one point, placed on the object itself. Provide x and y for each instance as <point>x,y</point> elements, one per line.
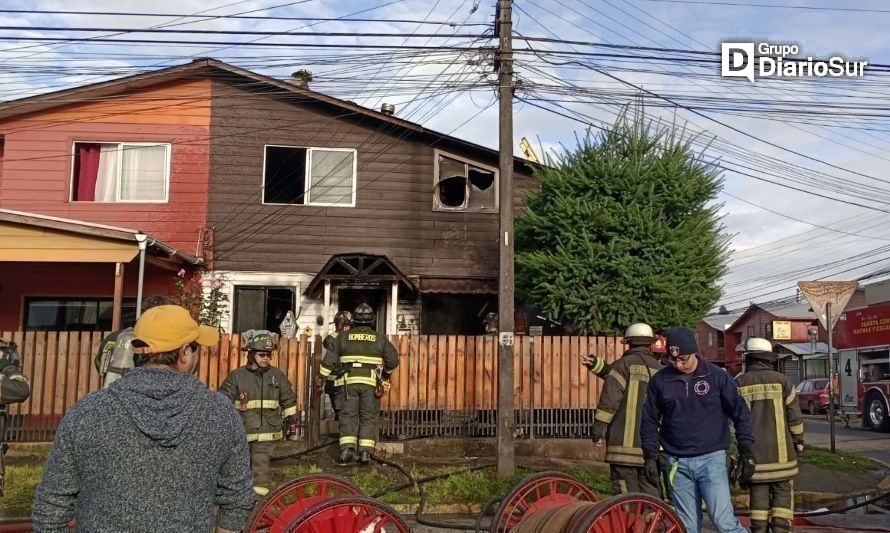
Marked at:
<point>812,395</point>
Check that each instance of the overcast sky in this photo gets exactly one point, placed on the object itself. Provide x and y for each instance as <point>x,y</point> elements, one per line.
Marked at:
<point>844,156</point>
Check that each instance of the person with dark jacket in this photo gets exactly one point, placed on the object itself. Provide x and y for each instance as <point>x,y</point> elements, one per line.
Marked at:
<point>364,353</point>
<point>687,411</point>
<point>778,424</point>
<point>14,388</point>
<point>155,451</point>
<point>333,385</point>
<point>264,398</point>
<point>617,417</point>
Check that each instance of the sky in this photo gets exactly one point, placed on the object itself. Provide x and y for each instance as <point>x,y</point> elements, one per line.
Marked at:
<point>826,137</point>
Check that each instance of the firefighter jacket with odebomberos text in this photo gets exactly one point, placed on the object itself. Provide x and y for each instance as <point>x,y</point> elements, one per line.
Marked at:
<point>618,412</point>
<point>263,399</point>
<point>361,350</point>
<point>775,414</point>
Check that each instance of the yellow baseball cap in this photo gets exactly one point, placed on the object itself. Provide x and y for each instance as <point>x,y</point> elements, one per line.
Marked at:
<point>167,327</point>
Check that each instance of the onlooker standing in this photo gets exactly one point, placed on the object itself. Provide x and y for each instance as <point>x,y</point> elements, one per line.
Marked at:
<point>776,416</point>
<point>617,419</point>
<point>155,451</point>
<point>264,398</point>
<point>687,411</point>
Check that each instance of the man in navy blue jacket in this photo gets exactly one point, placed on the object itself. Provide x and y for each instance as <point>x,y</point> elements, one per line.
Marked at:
<point>687,412</point>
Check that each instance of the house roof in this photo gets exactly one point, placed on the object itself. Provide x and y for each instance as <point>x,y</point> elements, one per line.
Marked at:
<point>721,322</point>
<point>780,310</point>
<point>95,230</point>
<point>789,310</point>
<point>805,348</point>
<point>254,82</point>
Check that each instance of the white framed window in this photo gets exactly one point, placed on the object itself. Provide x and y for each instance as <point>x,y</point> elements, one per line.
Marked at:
<point>460,184</point>
<point>309,176</point>
<point>135,172</point>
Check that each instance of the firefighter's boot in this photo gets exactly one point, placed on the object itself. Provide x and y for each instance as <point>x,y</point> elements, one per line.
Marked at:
<point>347,456</point>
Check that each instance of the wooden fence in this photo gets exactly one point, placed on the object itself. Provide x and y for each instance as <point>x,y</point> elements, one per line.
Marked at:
<point>445,384</point>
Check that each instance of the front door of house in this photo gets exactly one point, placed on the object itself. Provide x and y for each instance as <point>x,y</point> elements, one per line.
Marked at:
<point>349,298</point>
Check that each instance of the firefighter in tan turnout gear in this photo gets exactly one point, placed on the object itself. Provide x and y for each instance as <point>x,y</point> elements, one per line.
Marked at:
<point>361,357</point>
<point>778,428</point>
<point>263,396</point>
<point>14,388</point>
<point>617,419</point>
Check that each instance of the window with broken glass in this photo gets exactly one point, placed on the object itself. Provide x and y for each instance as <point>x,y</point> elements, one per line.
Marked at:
<point>462,185</point>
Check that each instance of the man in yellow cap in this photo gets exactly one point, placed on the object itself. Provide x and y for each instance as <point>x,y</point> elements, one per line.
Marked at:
<point>156,450</point>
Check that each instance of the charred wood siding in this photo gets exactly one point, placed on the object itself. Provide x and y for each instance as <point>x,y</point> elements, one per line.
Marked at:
<point>394,195</point>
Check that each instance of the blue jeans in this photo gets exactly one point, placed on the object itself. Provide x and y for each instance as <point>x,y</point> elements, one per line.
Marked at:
<point>703,478</point>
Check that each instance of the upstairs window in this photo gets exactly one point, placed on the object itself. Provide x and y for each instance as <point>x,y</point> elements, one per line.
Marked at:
<point>120,172</point>
<point>309,176</point>
<point>462,185</point>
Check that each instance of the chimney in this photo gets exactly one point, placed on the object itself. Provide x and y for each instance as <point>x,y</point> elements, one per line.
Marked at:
<point>301,78</point>
<point>387,109</point>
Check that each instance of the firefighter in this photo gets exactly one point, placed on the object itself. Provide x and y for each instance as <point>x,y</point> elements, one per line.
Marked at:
<point>617,418</point>
<point>490,323</point>
<point>14,388</point>
<point>264,397</point>
<point>115,355</point>
<point>778,426</point>
<point>368,358</point>
<point>333,385</point>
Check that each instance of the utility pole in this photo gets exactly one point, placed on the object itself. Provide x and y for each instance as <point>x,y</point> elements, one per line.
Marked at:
<point>506,459</point>
<point>831,372</point>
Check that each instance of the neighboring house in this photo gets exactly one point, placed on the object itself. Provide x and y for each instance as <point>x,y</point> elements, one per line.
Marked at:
<point>711,334</point>
<point>779,322</point>
<point>299,201</point>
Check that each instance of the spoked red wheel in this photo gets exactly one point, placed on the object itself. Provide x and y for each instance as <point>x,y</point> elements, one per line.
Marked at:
<point>537,492</point>
<point>349,514</point>
<point>291,498</point>
<point>628,513</point>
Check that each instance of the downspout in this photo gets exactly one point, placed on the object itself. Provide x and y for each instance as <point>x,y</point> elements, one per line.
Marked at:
<point>141,239</point>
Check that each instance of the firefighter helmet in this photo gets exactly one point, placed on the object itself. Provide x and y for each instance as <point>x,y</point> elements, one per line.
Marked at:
<point>639,333</point>
<point>760,349</point>
<point>491,320</point>
<point>342,317</point>
<point>259,341</point>
<point>363,314</point>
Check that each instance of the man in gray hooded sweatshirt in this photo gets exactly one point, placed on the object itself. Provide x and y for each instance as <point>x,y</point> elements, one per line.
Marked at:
<point>153,452</point>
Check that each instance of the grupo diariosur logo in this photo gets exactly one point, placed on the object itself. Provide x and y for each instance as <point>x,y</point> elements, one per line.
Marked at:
<point>738,60</point>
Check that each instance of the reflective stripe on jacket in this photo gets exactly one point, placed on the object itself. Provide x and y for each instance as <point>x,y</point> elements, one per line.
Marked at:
<point>263,399</point>
<point>362,350</point>
<point>775,414</point>
<point>620,407</point>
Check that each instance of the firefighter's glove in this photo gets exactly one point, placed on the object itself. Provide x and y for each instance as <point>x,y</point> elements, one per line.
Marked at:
<point>593,363</point>
<point>650,467</point>
<point>383,387</point>
<point>290,428</point>
<point>746,464</point>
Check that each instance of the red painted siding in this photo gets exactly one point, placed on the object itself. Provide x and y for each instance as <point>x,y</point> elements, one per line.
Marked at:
<point>18,280</point>
<point>36,169</point>
<point>711,351</point>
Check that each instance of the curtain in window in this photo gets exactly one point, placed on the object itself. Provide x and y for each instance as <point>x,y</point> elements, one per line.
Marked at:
<point>142,172</point>
<point>106,173</point>
<point>87,156</point>
<point>331,177</point>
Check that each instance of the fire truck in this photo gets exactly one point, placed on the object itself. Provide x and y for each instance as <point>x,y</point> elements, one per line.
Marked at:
<point>863,345</point>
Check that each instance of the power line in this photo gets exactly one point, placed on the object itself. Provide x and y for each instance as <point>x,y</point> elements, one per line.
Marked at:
<point>204,18</point>
<point>774,6</point>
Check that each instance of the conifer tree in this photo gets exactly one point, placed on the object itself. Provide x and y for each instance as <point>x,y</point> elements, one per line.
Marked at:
<point>623,229</point>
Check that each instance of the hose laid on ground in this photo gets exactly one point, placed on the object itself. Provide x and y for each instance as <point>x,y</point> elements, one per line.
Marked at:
<point>419,484</point>
<point>303,452</point>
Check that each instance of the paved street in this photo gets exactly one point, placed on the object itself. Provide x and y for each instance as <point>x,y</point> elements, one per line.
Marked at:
<point>870,443</point>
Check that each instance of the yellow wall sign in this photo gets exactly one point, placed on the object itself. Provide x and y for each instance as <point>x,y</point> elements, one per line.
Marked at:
<point>781,330</point>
